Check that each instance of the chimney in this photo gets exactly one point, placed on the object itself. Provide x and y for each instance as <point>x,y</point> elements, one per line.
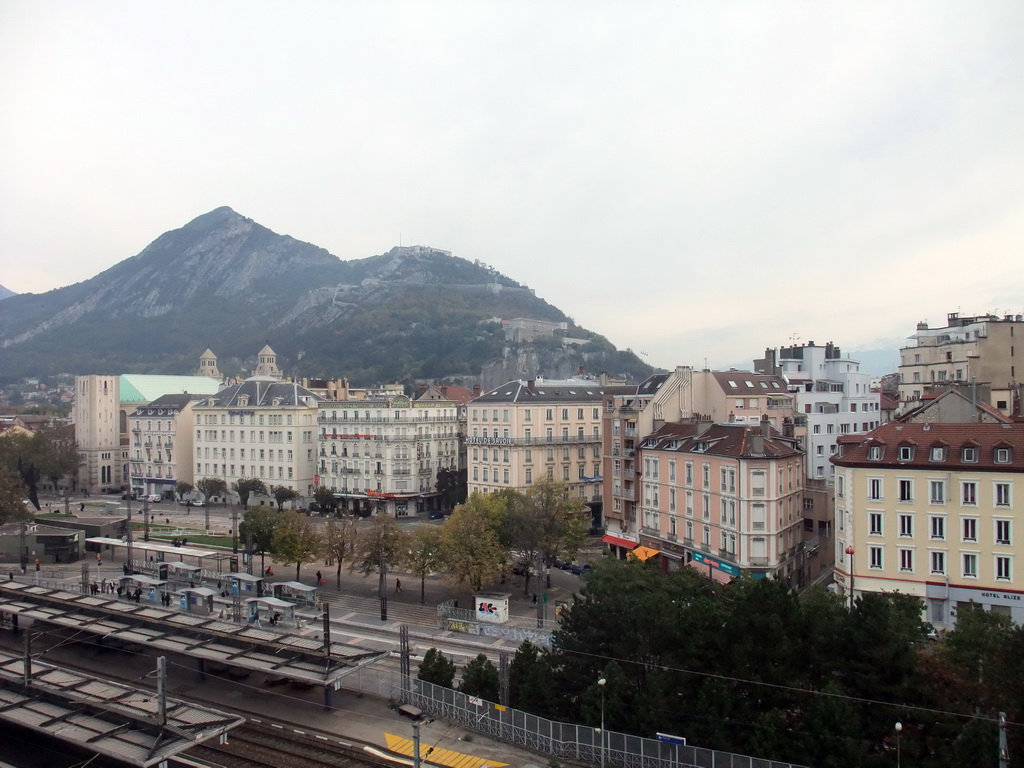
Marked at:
<point>787,427</point>
<point>766,427</point>
<point>476,390</point>
<point>757,444</point>
<point>703,424</point>
<point>532,385</point>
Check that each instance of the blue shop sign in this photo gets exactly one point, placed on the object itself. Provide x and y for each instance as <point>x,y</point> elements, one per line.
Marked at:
<point>728,568</point>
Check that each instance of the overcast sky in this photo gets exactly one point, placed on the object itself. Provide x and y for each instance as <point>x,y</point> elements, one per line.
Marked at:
<point>695,181</point>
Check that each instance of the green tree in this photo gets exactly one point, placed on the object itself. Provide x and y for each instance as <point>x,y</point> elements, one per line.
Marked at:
<point>480,678</point>
<point>437,668</point>
<point>424,555</point>
<point>470,541</point>
<point>212,486</point>
<point>296,540</point>
<point>530,680</point>
<point>55,453</point>
<point>247,487</point>
<point>451,484</point>
<point>261,523</point>
<point>324,498</point>
<point>381,538</point>
<point>183,488</point>
<point>339,541</point>
<point>283,494</point>
<point>12,497</point>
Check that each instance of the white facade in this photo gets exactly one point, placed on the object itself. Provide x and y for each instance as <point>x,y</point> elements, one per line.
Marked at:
<point>160,445</point>
<point>385,454</point>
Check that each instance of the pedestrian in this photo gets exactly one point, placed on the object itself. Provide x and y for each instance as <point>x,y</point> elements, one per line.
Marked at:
<point>120,589</point>
<point>398,585</point>
<point>10,575</point>
<point>81,507</point>
<point>534,601</point>
<point>319,578</point>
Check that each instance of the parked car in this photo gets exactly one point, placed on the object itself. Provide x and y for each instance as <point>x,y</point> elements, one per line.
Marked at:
<point>563,565</point>
<point>436,514</point>
<point>198,503</point>
<point>580,568</point>
<point>154,498</point>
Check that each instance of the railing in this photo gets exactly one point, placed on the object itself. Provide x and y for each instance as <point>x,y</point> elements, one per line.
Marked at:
<point>757,562</point>
<point>629,474</point>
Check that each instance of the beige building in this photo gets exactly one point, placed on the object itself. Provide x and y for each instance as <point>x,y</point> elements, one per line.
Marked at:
<point>525,430</point>
<point>723,498</point>
<point>160,445</point>
<point>977,354</point>
<point>385,455</point>
<point>260,428</point>
<point>929,509</point>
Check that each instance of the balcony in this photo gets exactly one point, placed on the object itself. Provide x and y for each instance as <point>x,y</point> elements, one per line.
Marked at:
<point>759,562</point>
<point>672,537</point>
<point>629,474</point>
<point>650,532</point>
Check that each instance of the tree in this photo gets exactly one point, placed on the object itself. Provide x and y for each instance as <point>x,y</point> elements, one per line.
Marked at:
<point>324,497</point>
<point>260,523</point>
<point>424,555</point>
<point>55,453</point>
<point>12,497</point>
<point>249,486</point>
<point>339,541</point>
<point>470,542</point>
<point>437,668</point>
<point>296,540</point>
<point>480,678</point>
<point>183,488</point>
<point>212,486</point>
<point>451,484</point>
<point>381,539</point>
<point>530,681</point>
<point>283,494</point>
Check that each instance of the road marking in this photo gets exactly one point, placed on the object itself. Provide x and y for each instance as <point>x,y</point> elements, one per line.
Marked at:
<point>403,746</point>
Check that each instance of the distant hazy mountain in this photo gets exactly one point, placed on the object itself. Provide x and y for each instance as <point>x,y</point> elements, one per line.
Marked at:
<point>5,293</point>
<point>224,282</point>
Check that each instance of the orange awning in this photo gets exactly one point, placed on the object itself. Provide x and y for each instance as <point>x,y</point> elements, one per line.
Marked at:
<point>644,553</point>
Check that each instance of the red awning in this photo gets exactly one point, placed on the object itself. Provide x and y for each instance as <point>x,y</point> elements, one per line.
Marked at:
<point>619,542</point>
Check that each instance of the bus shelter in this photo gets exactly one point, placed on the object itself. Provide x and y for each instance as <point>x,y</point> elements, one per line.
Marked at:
<point>197,599</point>
<point>179,573</point>
<point>263,610</point>
<point>296,591</point>
<point>247,584</point>
<point>151,588</point>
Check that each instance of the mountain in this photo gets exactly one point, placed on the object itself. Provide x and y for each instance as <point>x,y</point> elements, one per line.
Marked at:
<point>225,282</point>
<point>6,293</point>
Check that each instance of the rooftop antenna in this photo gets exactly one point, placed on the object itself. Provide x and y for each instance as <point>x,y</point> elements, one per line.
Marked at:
<point>794,338</point>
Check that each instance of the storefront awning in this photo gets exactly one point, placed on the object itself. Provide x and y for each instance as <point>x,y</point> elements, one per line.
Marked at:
<point>624,543</point>
<point>644,553</point>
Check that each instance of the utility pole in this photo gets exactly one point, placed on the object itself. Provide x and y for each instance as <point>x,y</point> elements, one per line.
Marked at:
<point>383,587</point>
<point>234,525</point>
<point>145,520</point>
<point>1004,752</point>
<point>161,690</point>
<point>128,549</point>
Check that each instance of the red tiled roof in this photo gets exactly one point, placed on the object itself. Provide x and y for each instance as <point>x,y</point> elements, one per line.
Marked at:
<point>987,438</point>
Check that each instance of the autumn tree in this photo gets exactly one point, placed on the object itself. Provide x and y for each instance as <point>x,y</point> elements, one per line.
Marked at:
<point>339,541</point>
<point>324,498</point>
<point>55,453</point>
<point>381,539</point>
<point>471,545</point>
<point>296,540</point>
<point>424,555</point>
<point>260,523</point>
<point>12,497</point>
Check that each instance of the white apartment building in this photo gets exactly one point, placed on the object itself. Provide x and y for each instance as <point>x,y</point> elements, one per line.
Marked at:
<point>160,445</point>
<point>384,455</point>
<point>525,430</point>
<point>261,428</point>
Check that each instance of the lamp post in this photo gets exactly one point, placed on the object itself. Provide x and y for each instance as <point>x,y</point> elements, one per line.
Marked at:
<point>899,729</point>
<point>849,551</point>
<point>601,684</point>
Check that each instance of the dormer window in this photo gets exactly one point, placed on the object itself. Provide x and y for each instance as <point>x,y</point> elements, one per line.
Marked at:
<point>1003,455</point>
<point>243,400</point>
<point>875,453</point>
<point>938,453</point>
<point>970,455</point>
<point>906,452</point>
<point>701,447</point>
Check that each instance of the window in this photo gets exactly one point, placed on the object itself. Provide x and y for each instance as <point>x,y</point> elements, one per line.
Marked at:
<point>937,453</point>
<point>937,528</point>
<point>938,562</point>
<point>875,488</point>
<point>875,523</point>
<point>937,491</point>
<point>875,453</point>
<point>970,455</point>
<point>969,494</point>
<point>907,560</point>
<point>906,490</point>
<point>689,473</point>
<point>1003,532</point>
<point>907,525</point>
<point>1003,568</point>
<point>906,453</point>
<point>1002,494</point>
<point>1002,455</point>
<point>970,565</point>
<point>970,529</point>
<point>875,557</point>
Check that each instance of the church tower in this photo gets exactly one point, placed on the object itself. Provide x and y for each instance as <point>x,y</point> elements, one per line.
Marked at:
<point>208,365</point>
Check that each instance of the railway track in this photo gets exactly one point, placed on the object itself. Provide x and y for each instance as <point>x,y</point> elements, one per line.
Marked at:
<point>257,746</point>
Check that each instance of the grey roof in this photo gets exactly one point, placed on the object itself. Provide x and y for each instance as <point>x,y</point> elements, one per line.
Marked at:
<point>261,393</point>
<point>565,391</point>
<point>166,403</point>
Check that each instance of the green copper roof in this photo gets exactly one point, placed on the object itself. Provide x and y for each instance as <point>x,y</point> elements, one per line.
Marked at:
<point>142,388</point>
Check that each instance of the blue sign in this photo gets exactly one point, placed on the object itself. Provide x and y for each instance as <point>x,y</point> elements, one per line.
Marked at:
<point>668,737</point>
<point>729,568</point>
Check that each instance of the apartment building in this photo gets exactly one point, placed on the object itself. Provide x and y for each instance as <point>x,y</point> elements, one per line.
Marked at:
<point>384,455</point>
<point>929,509</point>
<point>526,430</point>
<point>259,428</point>
<point>723,498</point>
<point>978,353</point>
<point>160,445</point>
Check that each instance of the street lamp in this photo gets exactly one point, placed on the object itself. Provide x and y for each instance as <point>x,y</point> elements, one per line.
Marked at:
<point>849,551</point>
<point>601,684</point>
<point>899,729</point>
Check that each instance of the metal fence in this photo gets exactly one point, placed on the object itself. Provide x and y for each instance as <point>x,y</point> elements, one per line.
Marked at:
<point>567,741</point>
